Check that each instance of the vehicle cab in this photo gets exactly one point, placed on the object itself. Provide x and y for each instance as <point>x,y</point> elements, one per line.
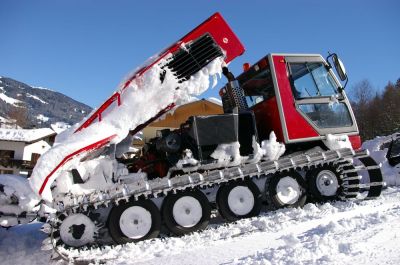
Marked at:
<point>299,98</point>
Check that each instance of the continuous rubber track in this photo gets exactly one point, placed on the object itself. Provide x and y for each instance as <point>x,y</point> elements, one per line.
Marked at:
<point>341,159</point>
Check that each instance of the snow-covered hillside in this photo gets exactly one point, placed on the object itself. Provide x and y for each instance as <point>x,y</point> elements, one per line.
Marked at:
<point>359,232</point>
<point>42,106</point>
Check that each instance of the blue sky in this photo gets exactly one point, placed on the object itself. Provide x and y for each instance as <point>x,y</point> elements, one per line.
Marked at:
<point>83,48</point>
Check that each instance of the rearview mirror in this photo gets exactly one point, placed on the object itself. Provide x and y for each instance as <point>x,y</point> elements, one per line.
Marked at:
<point>339,67</point>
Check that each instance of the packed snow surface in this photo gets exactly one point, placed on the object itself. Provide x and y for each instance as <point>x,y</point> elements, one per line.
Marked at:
<point>352,232</point>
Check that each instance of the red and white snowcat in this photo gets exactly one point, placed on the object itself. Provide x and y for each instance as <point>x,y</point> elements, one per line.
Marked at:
<point>287,135</point>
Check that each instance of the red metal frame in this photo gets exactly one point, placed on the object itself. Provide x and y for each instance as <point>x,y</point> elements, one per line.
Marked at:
<point>88,148</point>
<point>216,26</point>
<point>355,141</point>
<point>297,127</point>
<point>279,113</point>
<point>267,119</point>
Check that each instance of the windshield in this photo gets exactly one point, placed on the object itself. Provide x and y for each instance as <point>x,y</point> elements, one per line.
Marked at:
<point>311,80</point>
<point>325,115</point>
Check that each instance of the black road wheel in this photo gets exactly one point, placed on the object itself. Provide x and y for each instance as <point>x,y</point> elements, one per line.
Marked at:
<point>285,189</point>
<point>134,221</point>
<point>237,200</point>
<point>186,212</point>
<point>323,183</point>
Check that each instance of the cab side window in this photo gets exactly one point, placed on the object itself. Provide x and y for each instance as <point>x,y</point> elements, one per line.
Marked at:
<point>311,80</point>
<point>258,88</point>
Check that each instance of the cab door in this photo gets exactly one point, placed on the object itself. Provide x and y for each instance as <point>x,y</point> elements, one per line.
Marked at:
<point>259,92</point>
<point>310,100</point>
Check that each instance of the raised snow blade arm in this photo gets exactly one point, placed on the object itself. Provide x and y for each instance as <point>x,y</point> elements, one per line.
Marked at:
<point>206,44</point>
<point>209,40</point>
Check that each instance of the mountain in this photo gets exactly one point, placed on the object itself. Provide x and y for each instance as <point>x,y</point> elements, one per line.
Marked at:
<point>36,106</point>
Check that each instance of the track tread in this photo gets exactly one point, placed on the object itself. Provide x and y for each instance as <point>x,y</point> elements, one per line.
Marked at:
<point>263,169</point>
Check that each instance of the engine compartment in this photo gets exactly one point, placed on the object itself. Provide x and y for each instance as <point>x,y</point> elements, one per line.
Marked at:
<point>196,139</point>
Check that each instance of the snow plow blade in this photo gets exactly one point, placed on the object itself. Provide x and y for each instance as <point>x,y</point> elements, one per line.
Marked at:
<point>207,41</point>
<point>178,70</point>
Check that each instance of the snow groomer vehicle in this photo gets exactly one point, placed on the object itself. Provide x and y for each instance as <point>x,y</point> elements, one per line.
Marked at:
<point>287,135</point>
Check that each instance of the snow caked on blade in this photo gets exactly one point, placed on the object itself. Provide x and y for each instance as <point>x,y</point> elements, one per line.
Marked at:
<point>170,78</point>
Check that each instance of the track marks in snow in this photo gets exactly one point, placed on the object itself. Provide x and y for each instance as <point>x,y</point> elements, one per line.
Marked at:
<point>365,232</point>
<point>323,234</point>
<point>344,241</point>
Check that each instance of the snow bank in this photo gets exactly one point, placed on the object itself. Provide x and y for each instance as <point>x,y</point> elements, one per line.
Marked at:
<point>22,245</point>
<point>17,187</point>
<point>324,244</point>
<point>142,100</point>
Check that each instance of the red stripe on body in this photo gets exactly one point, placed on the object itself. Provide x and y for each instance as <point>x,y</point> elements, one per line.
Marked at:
<point>223,35</point>
<point>90,147</point>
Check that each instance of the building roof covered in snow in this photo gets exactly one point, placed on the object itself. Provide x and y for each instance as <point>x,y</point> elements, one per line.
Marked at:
<point>25,135</point>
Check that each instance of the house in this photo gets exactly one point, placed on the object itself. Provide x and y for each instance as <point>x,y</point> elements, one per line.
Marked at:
<point>173,119</point>
<point>21,148</point>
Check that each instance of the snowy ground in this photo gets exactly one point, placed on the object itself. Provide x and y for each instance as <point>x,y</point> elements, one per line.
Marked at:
<point>357,232</point>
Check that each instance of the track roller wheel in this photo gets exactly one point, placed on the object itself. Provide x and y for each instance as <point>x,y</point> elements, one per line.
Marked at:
<point>285,189</point>
<point>323,183</point>
<point>134,221</point>
<point>237,200</point>
<point>77,230</point>
<point>186,212</point>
